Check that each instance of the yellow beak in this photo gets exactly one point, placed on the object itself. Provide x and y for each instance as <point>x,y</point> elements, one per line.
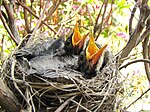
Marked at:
<point>77,39</point>
<point>76,35</point>
<point>97,55</point>
<point>81,43</point>
<point>91,48</point>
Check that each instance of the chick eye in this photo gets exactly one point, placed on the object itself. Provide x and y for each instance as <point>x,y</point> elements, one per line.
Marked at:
<point>81,59</point>
<point>68,43</point>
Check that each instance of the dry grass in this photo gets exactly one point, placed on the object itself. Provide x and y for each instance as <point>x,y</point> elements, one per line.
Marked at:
<point>66,91</point>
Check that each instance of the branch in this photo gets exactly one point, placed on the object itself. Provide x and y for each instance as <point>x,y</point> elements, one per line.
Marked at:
<point>131,19</point>
<point>53,9</point>
<point>138,98</point>
<point>39,22</point>
<point>106,22</point>
<point>146,56</point>
<point>8,30</point>
<point>29,10</point>
<point>145,33</point>
<point>86,110</point>
<point>96,23</point>
<point>64,104</point>
<point>11,20</point>
<point>100,27</point>
<point>90,16</point>
<point>134,61</point>
<point>26,20</point>
<point>144,2</point>
<point>7,99</point>
<point>144,13</point>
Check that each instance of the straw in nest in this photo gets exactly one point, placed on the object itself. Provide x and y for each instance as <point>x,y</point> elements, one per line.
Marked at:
<point>64,90</point>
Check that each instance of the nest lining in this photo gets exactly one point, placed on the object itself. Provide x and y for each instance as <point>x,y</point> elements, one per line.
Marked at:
<point>65,91</point>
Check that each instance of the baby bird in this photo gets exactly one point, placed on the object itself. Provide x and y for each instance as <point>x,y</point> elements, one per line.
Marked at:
<point>58,54</point>
<point>75,42</point>
<point>92,59</point>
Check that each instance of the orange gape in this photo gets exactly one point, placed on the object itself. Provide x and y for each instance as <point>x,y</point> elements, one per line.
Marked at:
<point>91,48</point>
<point>76,36</point>
<point>97,55</point>
<point>75,42</point>
<point>77,39</point>
<point>93,53</point>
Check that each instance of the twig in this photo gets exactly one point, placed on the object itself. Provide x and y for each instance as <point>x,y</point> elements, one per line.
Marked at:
<point>41,5</point>
<point>137,98</point>
<point>100,27</point>
<point>146,47</point>
<point>64,104</point>
<point>39,22</point>
<point>139,28</point>
<point>87,110</point>
<point>15,84</point>
<point>144,35</point>
<point>134,61</point>
<point>68,17</point>
<point>90,16</point>
<point>29,10</point>
<point>11,20</point>
<point>146,56</point>
<point>8,30</point>
<point>53,9</point>
<point>78,105</point>
<point>96,23</point>
<point>106,22</point>
<point>30,108</point>
<point>144,2</point>
<point>105,97</point>
<point>26,20</point>
<point>131,19</point>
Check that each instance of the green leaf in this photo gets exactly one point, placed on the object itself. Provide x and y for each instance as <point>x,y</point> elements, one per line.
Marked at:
<point>6,51</point>
<point>1,2</point>
<point>88,1</point>
<point>121,3</point>
<point>125,6</point>
<point>149,3</point>
<point>105,33</point>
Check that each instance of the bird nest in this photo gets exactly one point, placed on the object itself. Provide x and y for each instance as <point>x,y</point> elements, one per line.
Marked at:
<point>67,90</point>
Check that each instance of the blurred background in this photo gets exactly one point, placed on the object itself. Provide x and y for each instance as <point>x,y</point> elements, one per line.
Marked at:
<point>107,19</point>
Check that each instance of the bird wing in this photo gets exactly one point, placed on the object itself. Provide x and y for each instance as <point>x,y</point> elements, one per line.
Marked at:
<point>49,66</point>
<point>35,50</point>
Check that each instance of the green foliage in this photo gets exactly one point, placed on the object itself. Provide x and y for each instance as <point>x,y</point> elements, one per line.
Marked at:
<point>114,28</point>
<point>148,3</point>
<point>1,2</point>
<point>88,1</point>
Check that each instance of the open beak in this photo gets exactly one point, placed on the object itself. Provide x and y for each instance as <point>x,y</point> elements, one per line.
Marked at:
<point>77,39</point>
<point>91,48</point>
<point>76,35</point>
<point>81,43</point>
<point>97,55</point>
